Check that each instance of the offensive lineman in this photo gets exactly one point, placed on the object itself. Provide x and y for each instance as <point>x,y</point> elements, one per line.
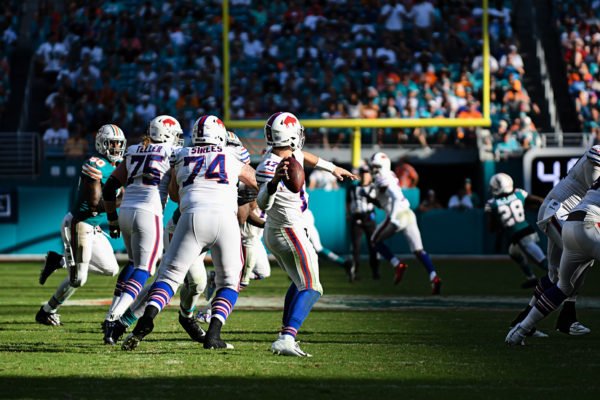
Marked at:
<point>285,232</point>
<point>581,246</point>
<point>145,171</point>
<point>506,213</point>
<point>551,218</point>
<point>86,247</point>
<point>400,218</point>
<point>204,183</point>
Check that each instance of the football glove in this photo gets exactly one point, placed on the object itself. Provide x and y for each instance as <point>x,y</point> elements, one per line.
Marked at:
<point>246,195</point>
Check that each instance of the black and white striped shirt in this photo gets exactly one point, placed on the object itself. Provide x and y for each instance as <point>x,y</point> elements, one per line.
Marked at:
<point>357,199</point>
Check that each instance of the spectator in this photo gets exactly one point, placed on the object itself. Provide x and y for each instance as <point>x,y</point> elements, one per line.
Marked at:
<point>145,111</point>
<point>460,200</point>
<point>469,191</point>
<point>407,175</point>
<point>322,180</point>
<point>55,134</point>
<point>392,14</point>
<point>77,146</point>
<point>430,202</point>
<point>423,16</point>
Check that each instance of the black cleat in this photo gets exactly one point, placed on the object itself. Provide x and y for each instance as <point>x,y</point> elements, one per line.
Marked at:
<point>114,331</point>
<point>529,283</point>
<point>52,263</point>
<point>216,343</point>
<point>350,270</point>
<point>193,329</point>
<point>46,318</point>
<point>144,327</point>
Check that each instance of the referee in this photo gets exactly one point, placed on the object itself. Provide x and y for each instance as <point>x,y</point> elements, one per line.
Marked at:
<point>360,212</point>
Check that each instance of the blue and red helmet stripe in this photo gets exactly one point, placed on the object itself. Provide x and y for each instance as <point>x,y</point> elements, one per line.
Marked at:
<point>269,124</point>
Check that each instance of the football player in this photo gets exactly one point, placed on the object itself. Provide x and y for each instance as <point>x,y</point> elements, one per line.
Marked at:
<point>256,261</point>
<point>204,183</point>
<point>506,214</point>
<point>285,232</point>
<point>551,217</point>
<point>145,171</point>
<point>581,246</point>
<point>86,247</point>
<point>399,218</point>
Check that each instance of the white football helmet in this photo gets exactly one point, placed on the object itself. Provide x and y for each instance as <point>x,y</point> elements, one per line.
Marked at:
<point>233,139</point>
<point>165,129</point>
<point>381,162</point>
<point>111,142</point>
<point>209,130</point>
<point>283,129</point>
<point>501,184</point>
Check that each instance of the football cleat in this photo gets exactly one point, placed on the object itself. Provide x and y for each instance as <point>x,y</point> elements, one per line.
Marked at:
<point>213,343</point>
<point>143,328</point>
<point>211,286</point>
<point>436,285</point>
<point>196,333</point>
<point>529,283</point>
<point>286,345</point>
<point>204,317</point>
<point>52,263</point>
<point>515,336</point>
<point>350,270</point>
<point>575,329</point>
<point>114,331</point>
<point>536,333</point>
<point>47,318</point>
<point>399,272</point>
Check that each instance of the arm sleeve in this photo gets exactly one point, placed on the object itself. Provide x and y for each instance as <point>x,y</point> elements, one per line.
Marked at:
<point>264,199</point>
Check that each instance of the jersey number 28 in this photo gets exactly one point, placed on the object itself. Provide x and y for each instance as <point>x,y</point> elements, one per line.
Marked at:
<point>511,213</point>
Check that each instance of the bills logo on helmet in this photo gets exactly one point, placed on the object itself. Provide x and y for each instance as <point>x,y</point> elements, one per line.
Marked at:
<point>289,120</point>
<point>169,122</point>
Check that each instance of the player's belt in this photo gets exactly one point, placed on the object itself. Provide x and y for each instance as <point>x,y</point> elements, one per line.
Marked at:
<point>578,215</point>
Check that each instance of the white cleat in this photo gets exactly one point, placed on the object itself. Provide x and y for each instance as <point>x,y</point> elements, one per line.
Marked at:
<point>577,329</point>
<point>285,345</point>
<point>515,336</point>
<point>540,334</point>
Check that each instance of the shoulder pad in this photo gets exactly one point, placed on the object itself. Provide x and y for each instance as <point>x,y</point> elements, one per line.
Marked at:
<point>244,155</point>
<point>93,167</point>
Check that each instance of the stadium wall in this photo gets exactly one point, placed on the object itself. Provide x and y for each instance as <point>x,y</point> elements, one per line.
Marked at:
<point>39,212</point>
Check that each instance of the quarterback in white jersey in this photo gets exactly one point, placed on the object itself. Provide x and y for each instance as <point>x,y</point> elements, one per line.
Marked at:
<point>285,231</point>
<point>581,246</point>
<point>204,184</point>
<point>145,171</point>
<point>399,218</point>
<point>551,217</point>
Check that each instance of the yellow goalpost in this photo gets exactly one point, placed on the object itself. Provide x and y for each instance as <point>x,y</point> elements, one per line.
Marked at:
<point>357,124</point>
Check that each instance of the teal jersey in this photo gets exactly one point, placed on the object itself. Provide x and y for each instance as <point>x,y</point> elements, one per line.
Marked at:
<point>97,168</point>
<point>509,213</point>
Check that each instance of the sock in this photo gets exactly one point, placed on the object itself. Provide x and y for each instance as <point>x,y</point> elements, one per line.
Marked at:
<point>548,302</point>
<point>128,318</point>
<point>521,315</point>
<point>64,291</point>
<point>123,277</point>
<point>223,303</point>
<point>52,305</point>
<point>385,251</point>
<point>543,284</point>
<point>214,329</point>
<point>159,296</point>
<point>332,256</point>
<point>186,313</point>
<point>289,296</point>
<point>567,315</point>
<point>424,258</point>
<point>149,314</point>
<point>136,282</point>
<point>300,308</point>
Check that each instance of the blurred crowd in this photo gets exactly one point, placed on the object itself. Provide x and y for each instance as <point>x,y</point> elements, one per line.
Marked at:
<point>127,61</point>
<point>578,23</point>
<point>9,27</point>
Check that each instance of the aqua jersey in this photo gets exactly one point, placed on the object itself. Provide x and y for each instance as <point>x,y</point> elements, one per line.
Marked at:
<point>509,212</point>
<point>96,168</point>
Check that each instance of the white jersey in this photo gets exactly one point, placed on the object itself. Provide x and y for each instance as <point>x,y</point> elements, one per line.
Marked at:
<point>571,189</point>
<point>148,176</point>
<point>251,233</point>
<point>243,153</point>
<point>288,206</point>
<point>207,177</point>
<point>389,194</point>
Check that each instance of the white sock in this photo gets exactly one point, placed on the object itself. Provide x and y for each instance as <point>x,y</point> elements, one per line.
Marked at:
<point>532,319</point>
<point>121,305</point>
<point>532,301</point>
<point>432,275</point>
<point>395,261</point>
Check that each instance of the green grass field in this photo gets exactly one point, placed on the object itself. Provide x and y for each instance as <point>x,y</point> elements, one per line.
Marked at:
<point>434,349</point>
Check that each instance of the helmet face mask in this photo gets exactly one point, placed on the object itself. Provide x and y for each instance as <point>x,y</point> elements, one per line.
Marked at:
<point>209,129</point>
<point>111,143</point>
<point>165,129</point>
<point>501,184</point>
<point>283,129</point>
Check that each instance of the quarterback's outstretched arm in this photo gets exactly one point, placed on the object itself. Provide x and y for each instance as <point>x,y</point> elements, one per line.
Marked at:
<point>312,160</point>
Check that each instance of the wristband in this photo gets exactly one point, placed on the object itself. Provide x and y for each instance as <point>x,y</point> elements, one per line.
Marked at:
<point>113,216</point>
<point>325,165</point>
